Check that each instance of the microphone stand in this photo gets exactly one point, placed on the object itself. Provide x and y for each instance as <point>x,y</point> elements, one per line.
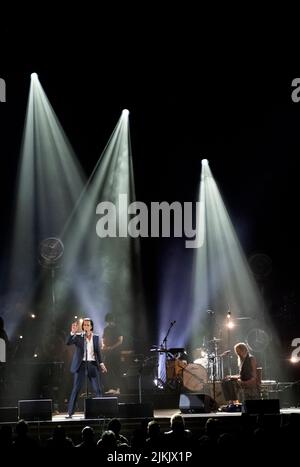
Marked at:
<point>164,345</point>
<point>213,358</point>
<point>140,381</point>
<point>164,342</point>
<point>229,341</point>
<point>86,367</point>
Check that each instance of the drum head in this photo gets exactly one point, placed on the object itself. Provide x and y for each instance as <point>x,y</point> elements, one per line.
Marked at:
<point>194,377</point>
<point>200,357</point>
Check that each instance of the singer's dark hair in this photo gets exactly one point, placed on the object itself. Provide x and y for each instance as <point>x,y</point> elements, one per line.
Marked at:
<point>87,319</point>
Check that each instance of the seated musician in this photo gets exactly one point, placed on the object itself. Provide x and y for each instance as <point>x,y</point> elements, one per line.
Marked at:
<point>247,378</point>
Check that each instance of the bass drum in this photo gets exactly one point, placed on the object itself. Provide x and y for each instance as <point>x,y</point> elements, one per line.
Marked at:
<point>194,377</point>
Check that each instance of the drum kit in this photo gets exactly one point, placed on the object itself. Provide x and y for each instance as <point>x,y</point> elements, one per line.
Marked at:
<point>207,366</point>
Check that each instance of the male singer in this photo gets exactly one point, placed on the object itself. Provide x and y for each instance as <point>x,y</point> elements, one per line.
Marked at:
<point>86,360</point>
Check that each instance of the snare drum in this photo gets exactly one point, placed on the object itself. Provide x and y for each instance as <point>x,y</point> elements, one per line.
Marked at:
<point>194,377</point>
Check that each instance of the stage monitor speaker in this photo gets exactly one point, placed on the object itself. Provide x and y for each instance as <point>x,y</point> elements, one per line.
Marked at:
<point>144,410</point>
<point>39,409</point>
<point>101,407</point>
<point>261,406</point>
<point>197,403</point>
<point>8,414</point>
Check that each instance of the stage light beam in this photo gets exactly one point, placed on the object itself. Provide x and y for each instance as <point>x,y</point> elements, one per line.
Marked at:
<point>221,274</point>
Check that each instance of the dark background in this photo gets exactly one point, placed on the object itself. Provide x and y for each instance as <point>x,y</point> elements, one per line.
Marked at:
<point>189,98</point>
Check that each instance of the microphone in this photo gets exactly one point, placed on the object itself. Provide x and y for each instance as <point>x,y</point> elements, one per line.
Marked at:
<point>173,322</point>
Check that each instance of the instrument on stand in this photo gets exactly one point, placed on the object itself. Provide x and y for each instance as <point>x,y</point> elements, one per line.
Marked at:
<point>169,354</point>
<point>175,364</point>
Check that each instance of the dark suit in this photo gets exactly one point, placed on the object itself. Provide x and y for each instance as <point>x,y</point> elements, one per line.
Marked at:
<point>79,367</point>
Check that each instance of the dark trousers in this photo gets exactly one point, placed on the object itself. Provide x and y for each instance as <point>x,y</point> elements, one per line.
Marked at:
<point>112,360</point>
<point>93,374</point>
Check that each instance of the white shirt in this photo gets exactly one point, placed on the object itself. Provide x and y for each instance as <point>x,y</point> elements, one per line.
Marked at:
<point>90,349</point>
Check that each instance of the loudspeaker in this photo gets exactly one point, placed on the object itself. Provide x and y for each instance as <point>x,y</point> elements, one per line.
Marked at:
<point>8,414</point>
<point>261,406</point>
<point>197,403</point>
<point>101,407</point>
<point>144,410</point>
<point>40,409</point>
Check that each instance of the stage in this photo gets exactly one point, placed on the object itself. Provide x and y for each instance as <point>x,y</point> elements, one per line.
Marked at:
<point>134,416</point>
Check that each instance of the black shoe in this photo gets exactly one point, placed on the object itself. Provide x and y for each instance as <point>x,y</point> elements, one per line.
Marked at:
<point>68,416</point>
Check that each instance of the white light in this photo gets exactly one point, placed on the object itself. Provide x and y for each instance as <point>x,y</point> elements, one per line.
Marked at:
<point>35,355</point>
<point>204,162</point>
<point>294,360</point>
<point>20,337</point>
<point>125,112</point>
<point>157,383</point>
<point>75,317</point>
<point>33,315</point>
<point>34,76</point>
<point>230,325</point>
